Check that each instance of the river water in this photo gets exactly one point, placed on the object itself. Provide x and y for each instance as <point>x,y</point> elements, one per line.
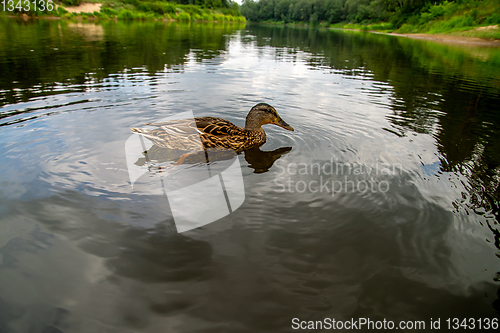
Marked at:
<point>383,204</point>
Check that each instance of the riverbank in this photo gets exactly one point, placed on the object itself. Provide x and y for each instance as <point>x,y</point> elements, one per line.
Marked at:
<point>463,37</point>
<point>138,10</point>
<point>451,39</point>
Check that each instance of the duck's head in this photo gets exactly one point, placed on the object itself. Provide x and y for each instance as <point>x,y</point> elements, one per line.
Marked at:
<point>262,114</point>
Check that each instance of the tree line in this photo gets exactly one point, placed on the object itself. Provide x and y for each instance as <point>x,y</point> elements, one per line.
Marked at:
<point>396,12</point>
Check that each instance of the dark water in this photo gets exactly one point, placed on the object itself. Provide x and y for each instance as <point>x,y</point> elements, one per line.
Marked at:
<point>406,133</point>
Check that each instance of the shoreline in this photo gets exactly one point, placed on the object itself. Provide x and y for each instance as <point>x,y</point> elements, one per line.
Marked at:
<point>439,38</point>
<point>448,39</point>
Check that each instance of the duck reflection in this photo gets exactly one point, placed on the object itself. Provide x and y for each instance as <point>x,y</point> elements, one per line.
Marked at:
<point>259,160</point>
<point>262,161</point>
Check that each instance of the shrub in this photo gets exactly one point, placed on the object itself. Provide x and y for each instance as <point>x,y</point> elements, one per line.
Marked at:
<point>184,16</point>
<point>207,17</point>
<point>455,23</point>
<point>150,16</point>
<point>61,11</point>
<point>314,19</point>
<point>71,2</point>
<point>406,28</point>
<point>493,19</point>
<point>125,15</point>
<point>413,20</point>
<point>157,7</point>
<point>219,17</point>
<point>99,14</point>
<point>110,12</point>
<point>381,26</point>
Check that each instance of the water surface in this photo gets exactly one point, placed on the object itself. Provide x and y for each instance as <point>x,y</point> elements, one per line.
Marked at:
<point>82,251</point>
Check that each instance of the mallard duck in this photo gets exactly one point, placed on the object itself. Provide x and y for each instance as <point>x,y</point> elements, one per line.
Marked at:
<point>186,134</point>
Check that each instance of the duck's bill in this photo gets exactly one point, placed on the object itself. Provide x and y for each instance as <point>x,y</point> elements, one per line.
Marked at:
<point>283,124</point>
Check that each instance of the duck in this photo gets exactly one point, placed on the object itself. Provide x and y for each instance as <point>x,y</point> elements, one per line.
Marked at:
<point>211,132</point>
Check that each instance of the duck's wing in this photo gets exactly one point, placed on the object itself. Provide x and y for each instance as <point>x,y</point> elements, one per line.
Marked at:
<point>217,126</point>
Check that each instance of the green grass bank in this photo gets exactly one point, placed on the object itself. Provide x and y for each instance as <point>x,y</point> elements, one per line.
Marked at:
<point>137,10</point>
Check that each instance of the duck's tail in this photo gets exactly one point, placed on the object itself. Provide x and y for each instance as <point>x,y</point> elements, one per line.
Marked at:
<point>139,130</point>
<point>154,136</point>
<point>144,132</point>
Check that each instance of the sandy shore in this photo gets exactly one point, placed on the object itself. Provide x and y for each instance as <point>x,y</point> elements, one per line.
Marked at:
<point>456,39</point>
<point>84,8</point>
<point>451,39</point>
